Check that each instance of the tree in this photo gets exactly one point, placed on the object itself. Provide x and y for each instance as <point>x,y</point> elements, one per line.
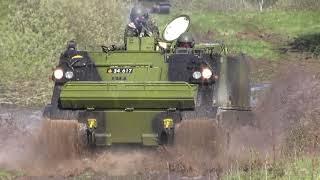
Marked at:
<point>261,4</point>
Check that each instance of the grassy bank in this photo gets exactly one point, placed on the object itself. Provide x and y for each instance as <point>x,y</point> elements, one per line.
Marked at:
<point>34,34</point>
<point>9,175</point>
<point>306,168</point>
<point>259,35</point>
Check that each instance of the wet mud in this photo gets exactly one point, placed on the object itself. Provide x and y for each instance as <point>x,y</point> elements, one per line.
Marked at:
<point>41,148</point>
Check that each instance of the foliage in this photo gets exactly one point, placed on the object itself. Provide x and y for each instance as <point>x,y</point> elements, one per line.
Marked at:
<point>262,4</point>
<point>9,175</point>
<point>307,43</point>
<point>303,168</point>
<point>212,5</point>
<point>247,5</point>
<point>37,31</point>
<point>256,34</point>
<point>298,5</point>
<point>251,5</point>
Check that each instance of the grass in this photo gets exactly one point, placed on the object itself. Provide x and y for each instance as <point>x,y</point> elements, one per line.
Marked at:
<point>264,32</point>
<point>254,48</point>
<point>4,8</point>
<point>34,33</point>
<point>258,35</point>
<point>305,168</point>
<point>5,175</point>
<point>9,175</point>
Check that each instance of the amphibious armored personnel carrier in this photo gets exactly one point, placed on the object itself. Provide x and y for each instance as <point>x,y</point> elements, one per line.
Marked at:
<point>138,94</point>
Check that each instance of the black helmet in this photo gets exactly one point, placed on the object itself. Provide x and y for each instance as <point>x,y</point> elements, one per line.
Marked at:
<point>138,12</point>
<point>185,40</point>
<point>72,45</point>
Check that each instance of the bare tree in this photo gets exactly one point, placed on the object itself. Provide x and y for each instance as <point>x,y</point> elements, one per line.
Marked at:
<point>262,3</point>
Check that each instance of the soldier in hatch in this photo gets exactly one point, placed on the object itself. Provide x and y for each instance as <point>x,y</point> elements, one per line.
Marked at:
<point>140,25</point>
<point>185,40</point>
<point>184,44</point>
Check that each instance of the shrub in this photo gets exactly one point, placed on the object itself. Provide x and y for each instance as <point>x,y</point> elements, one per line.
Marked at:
<point>37,31</point>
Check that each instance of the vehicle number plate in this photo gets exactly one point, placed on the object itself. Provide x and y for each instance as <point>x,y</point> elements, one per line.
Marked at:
<point>120,70</point>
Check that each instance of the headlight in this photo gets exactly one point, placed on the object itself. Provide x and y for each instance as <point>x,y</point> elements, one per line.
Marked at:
<point>196,75</point>
<point>58,74</point>
<point>206,73</point>
<point>69,75</point>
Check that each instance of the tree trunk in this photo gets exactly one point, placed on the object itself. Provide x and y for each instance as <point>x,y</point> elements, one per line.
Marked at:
<point>261,2</point>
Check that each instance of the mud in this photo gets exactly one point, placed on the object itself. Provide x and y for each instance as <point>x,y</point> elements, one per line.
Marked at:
<point>201,148</point>
<point>51,149</point>
<point>293,96</point>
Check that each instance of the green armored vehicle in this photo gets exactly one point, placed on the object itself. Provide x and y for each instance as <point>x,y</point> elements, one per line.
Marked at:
<point>157,6</point>
<point>138,94</point>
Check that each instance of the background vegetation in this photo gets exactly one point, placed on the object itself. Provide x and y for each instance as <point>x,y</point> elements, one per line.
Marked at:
<point>246,5</point>
<point>35,32</point>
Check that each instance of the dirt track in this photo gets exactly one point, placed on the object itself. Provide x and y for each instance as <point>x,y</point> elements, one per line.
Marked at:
<point>288,104</point>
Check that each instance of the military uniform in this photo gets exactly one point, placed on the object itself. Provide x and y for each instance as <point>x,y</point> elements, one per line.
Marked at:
<point>140,25</point>
<point>147,29</point>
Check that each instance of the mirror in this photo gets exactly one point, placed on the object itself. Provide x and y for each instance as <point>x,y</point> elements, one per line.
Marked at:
<point>176,27</point>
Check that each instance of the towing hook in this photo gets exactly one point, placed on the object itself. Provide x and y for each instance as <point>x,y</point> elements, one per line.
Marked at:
<point>91,136</point>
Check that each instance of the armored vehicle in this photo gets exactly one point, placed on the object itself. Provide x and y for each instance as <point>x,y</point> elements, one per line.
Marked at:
<point>157,6</point>
<point>139,94</point>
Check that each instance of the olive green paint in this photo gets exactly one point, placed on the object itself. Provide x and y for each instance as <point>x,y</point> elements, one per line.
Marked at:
<point>131,99</point>
<point>131,127</point>
<point>121,95</point>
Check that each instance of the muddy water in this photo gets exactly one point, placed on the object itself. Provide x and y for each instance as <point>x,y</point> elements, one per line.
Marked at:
<point>200,147</point>
<point>40,148</point>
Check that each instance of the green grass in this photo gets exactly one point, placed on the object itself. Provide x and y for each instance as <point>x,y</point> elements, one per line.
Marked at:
<point>290,23</point>
<point>285,25</point>
<point>4,8</point>
<point>305,168</point>
<point>34,33</point>
<point>4,4</point>
<point>9,175</point>
<point>30,46</point>
<point>257,49</point>
<point>5,175</point>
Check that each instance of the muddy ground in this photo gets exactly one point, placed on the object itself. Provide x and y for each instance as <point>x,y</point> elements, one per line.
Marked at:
<point>201,151</point>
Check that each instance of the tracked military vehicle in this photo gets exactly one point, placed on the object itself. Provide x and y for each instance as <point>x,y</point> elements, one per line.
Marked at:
<point>157,6</point>
<point>138,94</point>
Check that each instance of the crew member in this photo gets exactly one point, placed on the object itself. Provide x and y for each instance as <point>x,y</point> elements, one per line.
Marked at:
<point>140,25</point>
<point>185,40</point>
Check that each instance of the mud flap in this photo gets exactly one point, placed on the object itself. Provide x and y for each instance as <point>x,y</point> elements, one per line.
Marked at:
<point>52,112</point>
<point>232,95</point>
<point>232,91</point>
<point>231,119</point>
<point>233,85</point>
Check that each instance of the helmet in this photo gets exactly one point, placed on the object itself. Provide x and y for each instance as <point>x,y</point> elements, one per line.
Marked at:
<point>138,12</point>
<point>72,45</point>
<point>185,40</point>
